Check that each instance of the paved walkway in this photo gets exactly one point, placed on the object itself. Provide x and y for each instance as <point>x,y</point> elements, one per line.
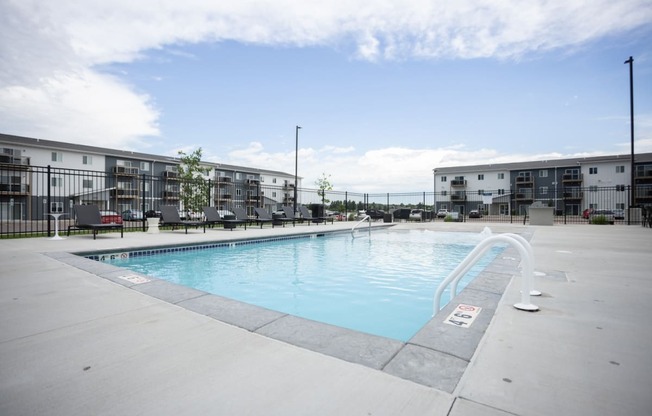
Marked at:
<point>73,343</point>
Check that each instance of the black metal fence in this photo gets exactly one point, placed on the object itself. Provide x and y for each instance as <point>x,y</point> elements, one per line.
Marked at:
<point>29,195</point>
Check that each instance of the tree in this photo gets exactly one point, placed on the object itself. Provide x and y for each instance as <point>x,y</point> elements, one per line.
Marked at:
<point>324,184</point>
<point>194,187</point>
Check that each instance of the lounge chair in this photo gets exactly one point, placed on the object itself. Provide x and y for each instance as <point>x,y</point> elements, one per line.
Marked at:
<point>214,217</point>
<point>241,214</point>
<point>289,213</point>
<point>87,217</point>
<point>170,216</point>
<point>264,216</point>
<point>306,215</point>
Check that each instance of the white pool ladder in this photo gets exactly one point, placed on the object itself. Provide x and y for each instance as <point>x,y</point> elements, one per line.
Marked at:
<point>365,218</point>
<point>527,271</point>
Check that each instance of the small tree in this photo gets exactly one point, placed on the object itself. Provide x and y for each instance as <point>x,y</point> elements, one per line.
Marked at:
<point>324,184</point>
<point>194,188</point>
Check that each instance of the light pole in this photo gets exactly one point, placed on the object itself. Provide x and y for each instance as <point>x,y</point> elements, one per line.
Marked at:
<point>434,193</point>
<point>296,166</point>
<point>630,61</point>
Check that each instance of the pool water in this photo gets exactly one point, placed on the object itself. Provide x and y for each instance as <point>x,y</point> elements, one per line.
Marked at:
<point>382,285</point>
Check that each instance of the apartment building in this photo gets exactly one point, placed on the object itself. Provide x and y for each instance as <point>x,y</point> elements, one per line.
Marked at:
<point>39,176</point>
<point>569,185</point>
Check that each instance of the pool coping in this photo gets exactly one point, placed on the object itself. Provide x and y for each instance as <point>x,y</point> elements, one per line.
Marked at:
<point>436,356</point>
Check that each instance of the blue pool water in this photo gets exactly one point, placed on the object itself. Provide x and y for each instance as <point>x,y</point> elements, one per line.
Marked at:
<point>381,285</point>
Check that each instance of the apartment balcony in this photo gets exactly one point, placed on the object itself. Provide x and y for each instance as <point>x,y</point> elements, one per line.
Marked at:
<point>525,180</point>
<point>170,194</point>
<point>253,199</point>
<point>124,193</point>
<point>643,194</point>
<point>572,179</point>
<point>288,186</point>
<point>458,183</point>
<point>524,196</point>
<point>168,174</point>
<point>223,197</point>
<point>16,162</point>
<point>573,196</point>
<point>252,182</point>
<point>643,176</point>
<point>125,171</point>
<point>224,180</point>
<point>288,199</point>
<point>457,198</point>
<point>16,189</point>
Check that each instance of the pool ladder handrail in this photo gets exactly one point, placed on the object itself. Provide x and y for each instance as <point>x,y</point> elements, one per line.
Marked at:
<point>527,271</point>
<point>366,217</point>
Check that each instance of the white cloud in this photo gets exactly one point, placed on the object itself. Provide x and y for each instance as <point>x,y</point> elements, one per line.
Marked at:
<point>51,85</point>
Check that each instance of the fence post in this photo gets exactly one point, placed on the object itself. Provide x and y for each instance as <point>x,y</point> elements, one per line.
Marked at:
<point>46,208</point>
<point>142,205</point>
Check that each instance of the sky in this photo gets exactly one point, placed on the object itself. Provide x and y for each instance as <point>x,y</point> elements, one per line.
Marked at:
<point>384,91</point>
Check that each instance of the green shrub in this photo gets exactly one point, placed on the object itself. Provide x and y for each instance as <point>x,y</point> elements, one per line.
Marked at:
<point>449,218</point>
<point>599,219</point>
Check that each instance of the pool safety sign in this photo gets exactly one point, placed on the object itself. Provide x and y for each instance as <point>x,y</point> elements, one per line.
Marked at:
<point>463,316</point>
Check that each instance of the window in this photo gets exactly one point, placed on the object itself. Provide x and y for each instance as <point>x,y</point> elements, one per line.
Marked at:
<point>274,194</point>
<point>620,205</point>
<point>57,157</point>
<point>56,182</point>
<point>480,191</point>
<point>593,188</point>
<point>238,176</point>
<point>620,188</point>
<point>262,179</point>
<point>543,173</point>
<point>56,206</point>
<point>87,160</point>
<point>620,169</point>
<point>481,177</point>
<point>144,166</point>
<point>273,180</point>
<point>543,190</point>
<point>443,193</point>
<point>443,179</point>
<point>238,192</point>
<point>501,176</point>
<point>593,171</point>
<point>501,192</point>
<point>87,183</point>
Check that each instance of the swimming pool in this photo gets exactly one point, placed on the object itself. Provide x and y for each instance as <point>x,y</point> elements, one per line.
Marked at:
<point>382,285</point>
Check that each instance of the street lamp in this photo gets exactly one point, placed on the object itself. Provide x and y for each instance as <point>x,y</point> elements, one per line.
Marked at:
<point>434,192</point>
<point>630,61</point>
<point>296,165</point>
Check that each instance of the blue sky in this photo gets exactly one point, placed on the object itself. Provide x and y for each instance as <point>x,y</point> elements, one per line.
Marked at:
<point>385,91</point>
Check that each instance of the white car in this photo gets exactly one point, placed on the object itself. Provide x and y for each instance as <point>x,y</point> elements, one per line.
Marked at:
<point>442,213</point>
<point>416,215</point>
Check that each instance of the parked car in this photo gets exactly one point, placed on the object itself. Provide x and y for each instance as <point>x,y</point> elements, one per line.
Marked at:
<point>110,217</point>
<point>475,213</point>
<point>416,215</point>
<point>599,213</point>
<point>376,214</point>
<point>152,214</point>
<point>619,214</point>
<point>132,215</point>
<point>442,213</point>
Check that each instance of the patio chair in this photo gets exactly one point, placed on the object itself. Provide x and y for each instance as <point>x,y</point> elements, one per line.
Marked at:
<point>289,213</point>
<point>87,217</point>
<point>213,217</point>
<point>264,216</point>
<point>170,216</point>
<point>241,214</point>
<point>306,215</point>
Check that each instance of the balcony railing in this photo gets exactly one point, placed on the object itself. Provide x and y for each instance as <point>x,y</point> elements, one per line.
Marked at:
<point>168,174</point>
<point>9,189</point>
<point>124,170</point>
<point>458,182</point>
<point>572,178</point>
<point>524,180</point>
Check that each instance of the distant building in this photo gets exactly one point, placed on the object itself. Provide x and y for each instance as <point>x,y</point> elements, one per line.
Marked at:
<point>118,184</point>
<point>569,185</point>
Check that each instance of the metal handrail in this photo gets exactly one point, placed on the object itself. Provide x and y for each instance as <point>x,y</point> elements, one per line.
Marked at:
<point>527,271</point>
<point>366,217</point>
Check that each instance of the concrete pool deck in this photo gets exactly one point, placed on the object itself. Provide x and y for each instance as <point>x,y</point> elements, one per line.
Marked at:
<point>72,343</point>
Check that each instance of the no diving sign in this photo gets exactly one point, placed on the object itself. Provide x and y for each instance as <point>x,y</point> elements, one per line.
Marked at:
<point>463,316</point>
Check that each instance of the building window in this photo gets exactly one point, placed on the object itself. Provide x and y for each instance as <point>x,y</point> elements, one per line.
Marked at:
<point>87,160</point>
<point>593,171</point>
<point>57,157</point>
<point>238,176</point>
<point>56,182</point>
<point>56,206</point>
<point>501,192</point>
<point>87,183</point>
<point>273,180</point>
<point>593,188</point>
<point>273,194</point>
<point>238,192</point>
<point>620,188</point>
<point>443,179</point>
<point>480,191</point>
<point>501,176</point>
<point>262,179</point>
<point>620,169</point>
<point>543,190</point>
<point>443,193</point>
<point>481,177</point>
<point>144,166</point>
<point>620,205</point>
<point>543,173</point>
